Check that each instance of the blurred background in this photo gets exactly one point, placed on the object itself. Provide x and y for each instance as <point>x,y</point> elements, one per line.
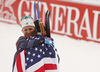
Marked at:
<point>76,54</point>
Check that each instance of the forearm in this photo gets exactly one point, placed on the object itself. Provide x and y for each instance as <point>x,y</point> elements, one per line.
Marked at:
<point>24,43</point>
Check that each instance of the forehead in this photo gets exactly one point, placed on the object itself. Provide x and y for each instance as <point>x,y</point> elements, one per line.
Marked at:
<point>27,27</point>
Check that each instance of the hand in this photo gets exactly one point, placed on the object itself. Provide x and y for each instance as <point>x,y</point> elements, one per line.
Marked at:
<point>49,41</point>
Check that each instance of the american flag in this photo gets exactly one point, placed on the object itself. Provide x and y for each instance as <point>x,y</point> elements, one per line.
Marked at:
<point>42,58</point>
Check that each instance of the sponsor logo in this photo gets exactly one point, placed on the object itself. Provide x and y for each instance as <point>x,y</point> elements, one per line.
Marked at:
<point>7,12</point>
<point>78,21</point>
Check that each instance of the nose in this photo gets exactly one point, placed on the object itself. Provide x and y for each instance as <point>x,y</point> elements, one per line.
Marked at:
<point>28,31</point>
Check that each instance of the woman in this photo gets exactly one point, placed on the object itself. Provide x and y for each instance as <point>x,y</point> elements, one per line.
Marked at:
<point>35,53</point>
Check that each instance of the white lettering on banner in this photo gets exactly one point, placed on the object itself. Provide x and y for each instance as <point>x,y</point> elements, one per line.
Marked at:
<point>87,28</point>
<point>32,9</point>
<point>61,12</point>
<point>20,8</point>
<point>52,15</point>
<point>69,21</point>
<point>96,14</point>
<point>45,8</point>
<point>85,19</point>
<point>59,19</point>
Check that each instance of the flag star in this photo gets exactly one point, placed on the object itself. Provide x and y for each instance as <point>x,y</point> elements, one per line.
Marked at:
<point>50,53</point>
<point>36,49</point>
<point>27,58</point>
<point>44,53</point>
<point>42,44</point>
<point>27,38</point>
<point>33,54</point>
<point>38,56</point>
<point>49,45</point>
<point>35,38</point>
<point>29,53</point>
<point>31,48</point>
<point>38,38</point>
<point>31,60</point>
<point>40,50</point>
<point>32,37</point>
<point>25,64</point>
<point>46,48</point>
<point>27,23</point>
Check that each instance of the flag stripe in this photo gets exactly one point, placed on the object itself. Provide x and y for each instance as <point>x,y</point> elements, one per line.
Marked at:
<point>41,69</point>
<point>18,62</point>
<point>51,71</point>
<point>50,66</point>
<point>42,63</point>
<point>23,60</point>
<point>50,60</point>
<point>47,67</point>
<point>15,68</point>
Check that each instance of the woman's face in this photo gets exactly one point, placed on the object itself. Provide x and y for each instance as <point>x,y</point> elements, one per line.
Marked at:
<point>29,31</point>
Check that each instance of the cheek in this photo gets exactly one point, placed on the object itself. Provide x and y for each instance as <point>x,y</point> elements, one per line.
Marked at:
<point>24,32</point>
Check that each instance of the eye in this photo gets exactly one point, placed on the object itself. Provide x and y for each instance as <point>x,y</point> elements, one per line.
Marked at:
<point>30,28</point>
<point>25,29</point>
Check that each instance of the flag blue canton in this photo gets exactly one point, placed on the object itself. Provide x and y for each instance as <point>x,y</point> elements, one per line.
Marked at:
<point>35,54</point>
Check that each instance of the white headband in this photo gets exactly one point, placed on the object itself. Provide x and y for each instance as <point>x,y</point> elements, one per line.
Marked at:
<point>27,22</point>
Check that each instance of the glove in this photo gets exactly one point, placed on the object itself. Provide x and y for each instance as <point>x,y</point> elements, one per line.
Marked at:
<point>49,41</point>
